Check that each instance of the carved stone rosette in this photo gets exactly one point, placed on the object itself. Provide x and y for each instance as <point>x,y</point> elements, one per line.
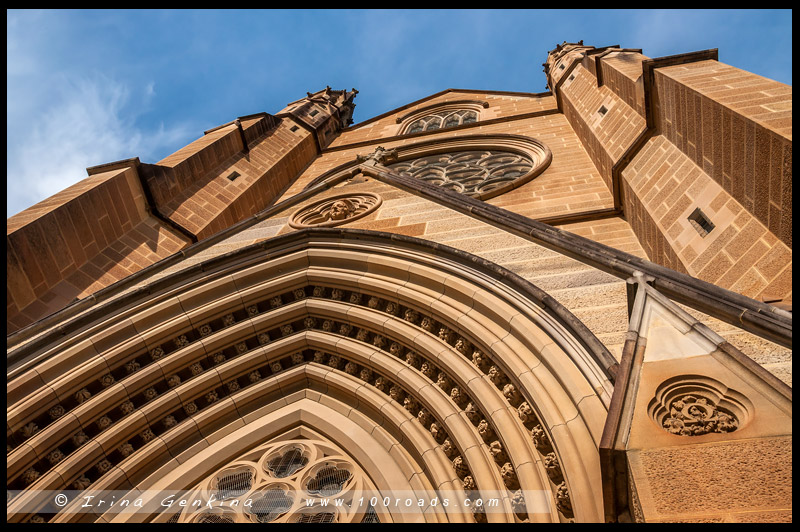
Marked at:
<point>694,406</point>
<point>335,210</point>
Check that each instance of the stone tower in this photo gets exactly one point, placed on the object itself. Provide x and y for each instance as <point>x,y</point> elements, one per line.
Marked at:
<point>569,306</point>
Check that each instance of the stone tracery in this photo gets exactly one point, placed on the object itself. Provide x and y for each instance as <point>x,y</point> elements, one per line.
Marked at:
<point>442,119</point>
<point>474,173</point>
<point>272,482</point>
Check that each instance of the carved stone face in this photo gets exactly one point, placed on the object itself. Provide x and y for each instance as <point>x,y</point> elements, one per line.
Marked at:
<point>340,210</point>
<point>469,483</point>
<point>461,469</point>
<point>473,414</point>
<point>428,370</point>
<point>526,413</point>
<point>448,448</point>
<point>499,454</point>
<point>410,404</point>
<point>485,431</point>
<point>396,393</point>
<point>437,432</point>
<point>512,394</point>
<point>458,397</point>
<point>509,476</point>
<point>462,346</point>
<point>424,417</point>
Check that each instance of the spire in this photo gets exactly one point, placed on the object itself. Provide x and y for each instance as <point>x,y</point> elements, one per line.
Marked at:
<point>325,112</point>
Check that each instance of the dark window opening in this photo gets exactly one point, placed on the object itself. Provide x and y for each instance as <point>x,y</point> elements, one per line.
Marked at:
<point>314,113</point>
<point>701,222</point>
<point>602,110</point>
<point>233,175</point>
<point>293,129</point>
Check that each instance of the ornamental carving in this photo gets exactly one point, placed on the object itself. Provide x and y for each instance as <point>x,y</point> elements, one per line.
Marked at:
<point>336,210</point>
<point>694,416</point>
<point>695,406</point>
<point>509,476</point>
<point>563,502</point>
<point>79,438</point>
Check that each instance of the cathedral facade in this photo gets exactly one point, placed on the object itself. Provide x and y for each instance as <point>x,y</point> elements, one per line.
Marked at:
<point>483,306</point>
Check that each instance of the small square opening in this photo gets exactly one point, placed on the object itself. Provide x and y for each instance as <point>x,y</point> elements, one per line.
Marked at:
<point>603,110</point>
<point>701,222</point>
<point>233,175</point>
<point>314,113</point>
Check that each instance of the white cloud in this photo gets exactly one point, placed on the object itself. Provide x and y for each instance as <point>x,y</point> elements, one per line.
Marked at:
<point>88,121</point>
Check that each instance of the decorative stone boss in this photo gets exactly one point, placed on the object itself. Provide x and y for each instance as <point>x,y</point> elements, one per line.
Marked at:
<point>335,210</point>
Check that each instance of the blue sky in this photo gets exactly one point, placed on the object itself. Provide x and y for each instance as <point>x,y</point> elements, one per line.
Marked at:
<point>90,87</point>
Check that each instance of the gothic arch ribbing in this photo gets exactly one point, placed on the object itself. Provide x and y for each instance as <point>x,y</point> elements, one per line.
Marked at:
<point>387,288</point>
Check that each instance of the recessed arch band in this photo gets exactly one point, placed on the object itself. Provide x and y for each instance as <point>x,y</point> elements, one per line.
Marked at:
<point>512,322</point>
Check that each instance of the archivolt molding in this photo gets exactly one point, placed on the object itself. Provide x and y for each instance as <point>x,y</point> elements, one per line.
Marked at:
<point>486,373</point>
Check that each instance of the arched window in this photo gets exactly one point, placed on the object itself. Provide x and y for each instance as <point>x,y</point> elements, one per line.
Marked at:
<point>441,116</point>
<point>442,120</point>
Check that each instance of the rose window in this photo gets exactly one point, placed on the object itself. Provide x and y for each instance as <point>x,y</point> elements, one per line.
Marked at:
<point>474,173</point>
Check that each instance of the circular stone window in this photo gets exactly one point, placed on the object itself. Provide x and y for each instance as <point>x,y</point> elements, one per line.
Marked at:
<point>483,171</point>
<point>335,210</point>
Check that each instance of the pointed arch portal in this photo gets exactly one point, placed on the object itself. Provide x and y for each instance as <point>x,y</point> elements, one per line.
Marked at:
<point>427,369</point>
